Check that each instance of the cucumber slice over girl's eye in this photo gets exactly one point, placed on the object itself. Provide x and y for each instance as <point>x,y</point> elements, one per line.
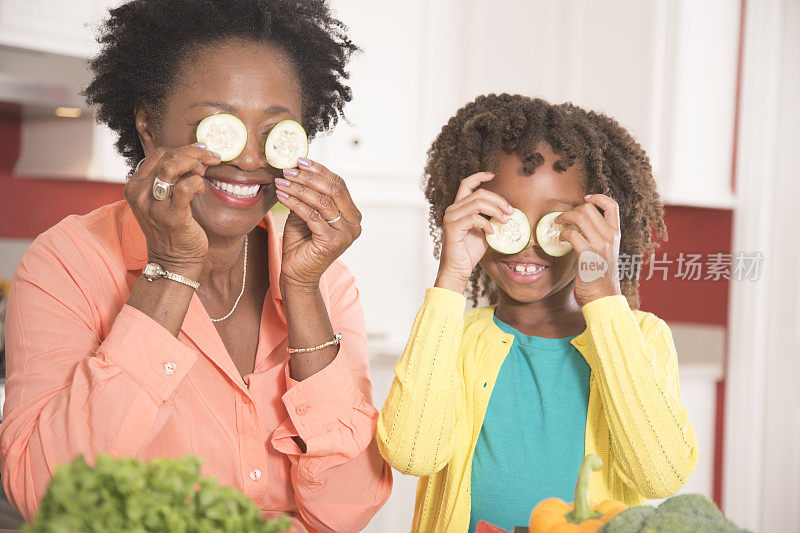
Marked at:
<point>286,143</point>
<point>224,134</point>
<point>511,237</point>
<point>547,233</point>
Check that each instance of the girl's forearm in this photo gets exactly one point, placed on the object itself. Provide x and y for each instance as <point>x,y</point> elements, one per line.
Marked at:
<point>308,326</point>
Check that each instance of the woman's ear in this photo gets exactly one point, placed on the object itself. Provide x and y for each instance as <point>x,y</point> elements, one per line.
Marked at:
<point>144,120</point>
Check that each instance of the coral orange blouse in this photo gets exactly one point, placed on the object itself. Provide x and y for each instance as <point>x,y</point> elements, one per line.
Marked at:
<point>88,374</point>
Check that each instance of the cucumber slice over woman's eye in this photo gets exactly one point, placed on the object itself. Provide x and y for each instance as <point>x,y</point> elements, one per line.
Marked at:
<point>224,134</point>
<point>286,143</point>
<point>548,232</point>
<point>511,237</point>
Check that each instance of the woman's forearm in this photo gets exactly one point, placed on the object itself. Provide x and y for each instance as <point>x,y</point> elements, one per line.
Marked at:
<point>308,326</point>
<point>164,300</point>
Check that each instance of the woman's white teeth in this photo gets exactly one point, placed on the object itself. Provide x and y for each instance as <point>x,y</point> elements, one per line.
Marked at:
<point>528,269</point>
<point>239,191</point>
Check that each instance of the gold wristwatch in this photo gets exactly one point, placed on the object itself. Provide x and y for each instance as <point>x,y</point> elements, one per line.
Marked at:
<point>154,271</point>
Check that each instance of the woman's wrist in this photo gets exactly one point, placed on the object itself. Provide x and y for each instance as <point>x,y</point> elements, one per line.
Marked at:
<point>294,289</point>
<point>191,268</point>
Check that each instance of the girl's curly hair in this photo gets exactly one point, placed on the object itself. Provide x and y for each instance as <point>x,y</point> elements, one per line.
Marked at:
<point>616,165</point>
<point>144,42</point>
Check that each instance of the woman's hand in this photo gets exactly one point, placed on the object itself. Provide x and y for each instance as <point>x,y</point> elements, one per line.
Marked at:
<point>315,196</point>
<point>174,238</point>
<point>597,245</point>
<point>464,229</point>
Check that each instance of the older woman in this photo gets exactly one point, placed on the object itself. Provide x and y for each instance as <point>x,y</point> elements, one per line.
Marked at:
<point>163,324</point>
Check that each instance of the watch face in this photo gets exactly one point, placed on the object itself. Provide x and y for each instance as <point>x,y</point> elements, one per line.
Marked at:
<point>152,271</point>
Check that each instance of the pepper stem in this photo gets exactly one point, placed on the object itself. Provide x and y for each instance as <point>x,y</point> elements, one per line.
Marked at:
<point>583,511</point>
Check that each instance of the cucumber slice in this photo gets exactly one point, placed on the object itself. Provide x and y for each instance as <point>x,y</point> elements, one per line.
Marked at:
<point>511,237</point>
<point>224,134</point>
<point>286,143</point>
<point>548,232</point>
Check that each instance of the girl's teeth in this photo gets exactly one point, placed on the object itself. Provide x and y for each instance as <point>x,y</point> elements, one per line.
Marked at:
<point>528,269</point>
<point>240,191</point>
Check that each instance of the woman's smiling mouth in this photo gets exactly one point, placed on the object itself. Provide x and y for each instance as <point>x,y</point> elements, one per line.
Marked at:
<point>235,190</point>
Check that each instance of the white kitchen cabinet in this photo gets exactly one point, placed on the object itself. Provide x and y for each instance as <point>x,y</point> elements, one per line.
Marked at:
<point>666,69</point>
<point>66,27</point>
<point>381,135</point>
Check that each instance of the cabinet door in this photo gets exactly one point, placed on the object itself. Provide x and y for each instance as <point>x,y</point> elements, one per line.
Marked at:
<point>46,25</point>
<point>380,137</point>
<point>665,69</point>
<point>65,27</point>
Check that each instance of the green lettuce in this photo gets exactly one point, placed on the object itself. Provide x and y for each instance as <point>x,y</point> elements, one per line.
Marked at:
<point>159,495</point>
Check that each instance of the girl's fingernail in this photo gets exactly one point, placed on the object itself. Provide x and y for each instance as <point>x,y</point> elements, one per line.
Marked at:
<point>282,182</point>
<point>587,196</point>
<point>215,154</point>
<point>303,162</point>
<point>282,194</point>
<point>200,145</point>
<point>290,172</point>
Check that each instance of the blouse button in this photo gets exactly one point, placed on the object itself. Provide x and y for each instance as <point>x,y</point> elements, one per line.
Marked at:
<point>169,368</point>
<point>301,410</point>
<point>255,474</point>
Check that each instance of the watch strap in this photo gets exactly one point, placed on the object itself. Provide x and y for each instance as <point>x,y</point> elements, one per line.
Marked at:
<point>182,279</point>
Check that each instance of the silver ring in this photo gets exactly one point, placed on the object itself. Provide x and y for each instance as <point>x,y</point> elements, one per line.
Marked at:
<point>161,189</point>
<point>335,219</point>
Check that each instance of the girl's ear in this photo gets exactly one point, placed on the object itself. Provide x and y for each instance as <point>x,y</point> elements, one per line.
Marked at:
<point>144,119</point>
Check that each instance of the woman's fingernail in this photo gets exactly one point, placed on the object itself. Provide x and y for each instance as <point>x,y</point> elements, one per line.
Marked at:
<point>200,145</point>
<point>587,196</point>
<point>215,154</point>
<point>282,194</point>
<point>303,162</point>
<point>290,172</point>
<point>282,182</point>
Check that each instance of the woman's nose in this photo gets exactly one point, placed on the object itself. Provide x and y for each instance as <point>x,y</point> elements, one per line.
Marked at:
<point>252,156</point>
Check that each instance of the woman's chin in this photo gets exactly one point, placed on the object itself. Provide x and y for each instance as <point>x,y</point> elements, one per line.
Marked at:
<point>225,221</point>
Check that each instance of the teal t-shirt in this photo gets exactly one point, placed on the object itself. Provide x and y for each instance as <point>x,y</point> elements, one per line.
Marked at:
<point>531,443</point>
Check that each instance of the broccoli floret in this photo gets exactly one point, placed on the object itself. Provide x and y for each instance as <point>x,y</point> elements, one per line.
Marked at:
<point>692,505</point>
<point>628,520</point>
<point>675,522</point>
<point>686,513</point>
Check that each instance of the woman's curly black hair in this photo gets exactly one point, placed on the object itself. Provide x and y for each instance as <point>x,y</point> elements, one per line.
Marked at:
<point>144,41</point>
<point>615,165</point>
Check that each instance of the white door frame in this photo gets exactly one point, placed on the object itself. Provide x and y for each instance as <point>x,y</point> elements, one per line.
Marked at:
<point>748,320</point>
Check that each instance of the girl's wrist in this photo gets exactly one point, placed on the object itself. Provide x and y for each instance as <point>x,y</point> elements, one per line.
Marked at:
<point>449,282</point>
<point>583,300</point>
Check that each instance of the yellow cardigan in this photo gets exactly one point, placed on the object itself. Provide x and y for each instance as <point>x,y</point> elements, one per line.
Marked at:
<point>636,422</point>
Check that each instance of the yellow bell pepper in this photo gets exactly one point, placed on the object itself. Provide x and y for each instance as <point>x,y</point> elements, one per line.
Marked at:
<point>554,515</point>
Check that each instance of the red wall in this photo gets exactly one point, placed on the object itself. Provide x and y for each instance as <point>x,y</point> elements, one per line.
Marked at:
<point>692,230</point>
<point>30,206</point>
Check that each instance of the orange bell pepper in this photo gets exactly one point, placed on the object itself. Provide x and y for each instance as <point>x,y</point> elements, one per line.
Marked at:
<point>554,515</point>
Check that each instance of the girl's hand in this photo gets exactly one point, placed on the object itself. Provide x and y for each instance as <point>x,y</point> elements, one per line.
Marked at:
<point>597,245</point>
<point>315,195</point>
<point>464,229</point>
<point>174,238</point>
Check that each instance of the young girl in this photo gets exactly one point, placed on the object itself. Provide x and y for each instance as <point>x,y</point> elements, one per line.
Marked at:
<point>494,410</point>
